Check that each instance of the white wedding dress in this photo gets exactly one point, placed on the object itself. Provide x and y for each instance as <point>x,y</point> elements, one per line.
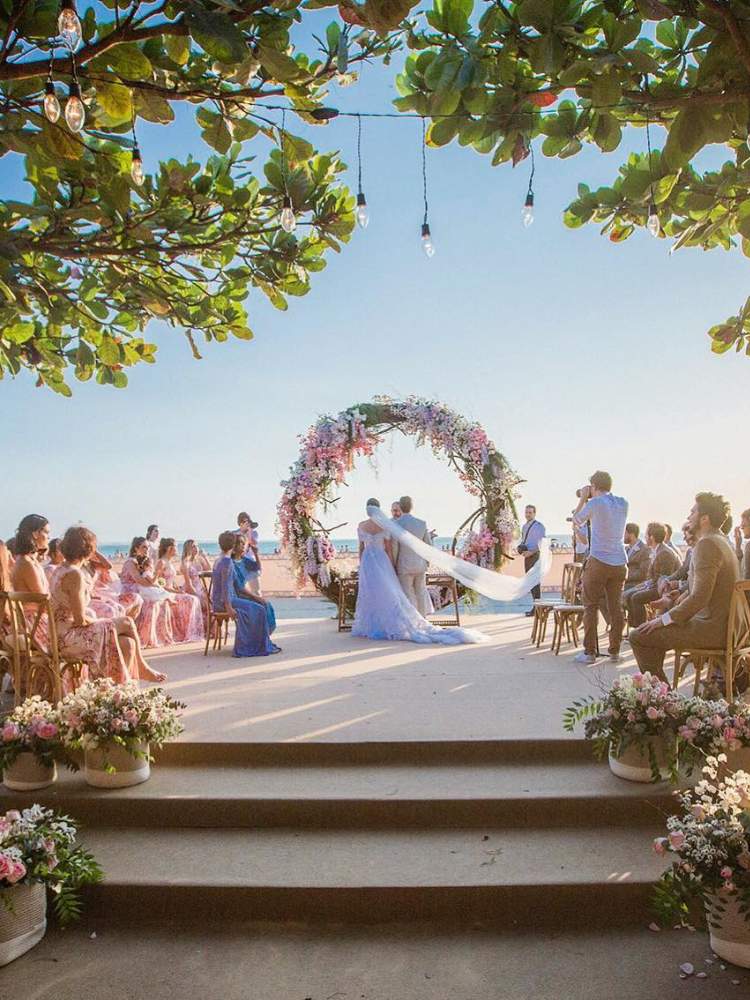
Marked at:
<point>383,609</point>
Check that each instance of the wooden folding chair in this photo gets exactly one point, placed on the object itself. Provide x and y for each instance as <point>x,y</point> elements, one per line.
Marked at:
<point>568,615</point>
<point>217,622</point>
<point>544,607</point>
<point>38,667</point>
<point>721,661</point>
<point>348,586</point>
<point>452,618</point>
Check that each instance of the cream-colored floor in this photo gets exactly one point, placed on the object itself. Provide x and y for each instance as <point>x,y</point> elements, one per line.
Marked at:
<point>328,686</point>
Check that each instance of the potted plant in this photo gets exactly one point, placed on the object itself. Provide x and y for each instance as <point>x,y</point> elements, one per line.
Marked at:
<point>635,725</point>
<point>710,840</point>
<point>115,725</point>
<point>31,746</point>
<point>713,727</point>
<point>38,851</point>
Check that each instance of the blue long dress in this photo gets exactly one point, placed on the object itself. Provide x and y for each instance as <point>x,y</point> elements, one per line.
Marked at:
<point>252,637</point>
<point>246,569</point>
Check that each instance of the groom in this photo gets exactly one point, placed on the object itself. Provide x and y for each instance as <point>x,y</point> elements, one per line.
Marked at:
<point>411,569</point>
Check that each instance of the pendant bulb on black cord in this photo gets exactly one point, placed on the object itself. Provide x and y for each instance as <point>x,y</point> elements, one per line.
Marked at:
<point>69,25</point>
<point>363,215</point>
<point>75,112</point>
<point>288,220</point>
<point>51,104</point>
<point>652,223</point>
<point>136,163</point>
<point>527,212</point>
<point>427,245</point>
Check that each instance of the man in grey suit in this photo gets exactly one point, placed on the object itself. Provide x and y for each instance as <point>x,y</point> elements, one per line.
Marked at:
<point>698,620</point>
<point>411,569</point>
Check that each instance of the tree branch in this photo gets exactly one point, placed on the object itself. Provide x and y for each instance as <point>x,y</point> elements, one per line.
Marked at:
<point>733,27</point>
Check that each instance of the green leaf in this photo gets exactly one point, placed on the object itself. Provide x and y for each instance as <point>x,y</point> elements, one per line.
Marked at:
<point>278,65</point>
<point>216,34</point>
<point>178,48</point>
<point>128,61</point>
<point>115,101</point>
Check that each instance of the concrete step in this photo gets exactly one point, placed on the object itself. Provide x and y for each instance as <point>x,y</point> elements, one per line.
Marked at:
<point>478,795</point>
<point>395,962</point>
<point>563,877</point>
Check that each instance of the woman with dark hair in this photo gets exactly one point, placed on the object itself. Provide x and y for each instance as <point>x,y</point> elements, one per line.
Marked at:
<point>191,567</point>
<point>137,577</point>
<point>32,542</point>
<point>108,646</point>
<point>187,618</point>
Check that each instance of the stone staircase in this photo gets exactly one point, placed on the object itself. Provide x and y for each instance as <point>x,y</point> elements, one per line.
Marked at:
<point>512,834</point>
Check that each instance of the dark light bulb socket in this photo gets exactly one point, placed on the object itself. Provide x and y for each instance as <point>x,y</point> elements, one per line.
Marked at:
<point>652,209</point>
<point>426,231</point>
<point>137,158</point>
<point>529,203</point>
<point>74,90</point>
<point>68,5</point>
<point>286,202</point>
<point>361,200</point>
<point>324,114</point>
<point>49,88</point>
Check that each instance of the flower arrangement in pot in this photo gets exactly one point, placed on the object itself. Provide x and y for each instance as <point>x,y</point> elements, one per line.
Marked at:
<point>710,841</point>
<point>713,727</point>
<point>115,725</point>
<point>635,725</point>
<point>38,851</point>
<point>31,746</point>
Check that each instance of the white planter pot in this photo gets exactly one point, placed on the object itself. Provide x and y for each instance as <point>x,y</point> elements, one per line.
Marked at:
<point>23,921</point>
<point>633,763</point>
<point>27,773</point>
<point>129,770</point>
<point>729,930</point>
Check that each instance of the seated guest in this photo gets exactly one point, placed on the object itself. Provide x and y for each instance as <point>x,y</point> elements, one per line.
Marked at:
<point>187,618</point>
<point>252,635</point>
<point>699,617</point>
<point>663,562</point>
<point>107,597</point>
<point>191,567</point>
<point>669,543</point>
<point>54,559</point>
<point>31,544</point>
<point>10,545</point>
<point>4,588</point>
<point>245,571</point>
<point>152,541</point>
<point>742,544</point>
<point>137,577</point>
<point>108,646</point>
<point>639,556</point>
<point>249,529</point>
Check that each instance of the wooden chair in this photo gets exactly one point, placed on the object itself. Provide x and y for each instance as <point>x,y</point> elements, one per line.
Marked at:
<point>347,589</point>
<point>569,613</point>
<point>544,607</point>
<point>38,666</point>
<point>217,622</point>
<point>444,582</point>
<point>725,660</point>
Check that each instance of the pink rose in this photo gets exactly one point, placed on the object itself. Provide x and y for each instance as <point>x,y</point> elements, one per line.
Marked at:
<point>47,731</point>
<point>6,866</point>
<point>652,713</point>
<point>13,815</point>
<point>17,873</point>
<point>676,839</point>
<point>698,811</point>
<point>726,872</point>
<point>660,845</point>
<point>10,732</point>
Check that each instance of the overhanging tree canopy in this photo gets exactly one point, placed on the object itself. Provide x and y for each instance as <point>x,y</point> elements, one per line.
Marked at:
<point>91,257</point>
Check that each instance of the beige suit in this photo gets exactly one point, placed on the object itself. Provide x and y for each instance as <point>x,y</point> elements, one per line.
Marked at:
<point>411,569</point>
<point>699,618</point>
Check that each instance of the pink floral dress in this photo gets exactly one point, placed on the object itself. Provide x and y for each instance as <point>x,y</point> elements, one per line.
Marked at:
<point>155,620</point>
<point>196,587</point>
<point>95,642</point>
<point>187,617</point>
<point>107,598</point>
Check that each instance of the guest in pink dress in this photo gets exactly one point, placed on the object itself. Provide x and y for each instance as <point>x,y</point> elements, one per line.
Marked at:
<point>187,618</point>
<point>107,597</point>
<point>54,559</point>
<point>192,567</point>
<point>137,577</point>
<point>108,646</point>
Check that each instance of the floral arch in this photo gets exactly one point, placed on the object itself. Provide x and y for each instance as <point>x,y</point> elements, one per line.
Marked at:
<point>331,446</point>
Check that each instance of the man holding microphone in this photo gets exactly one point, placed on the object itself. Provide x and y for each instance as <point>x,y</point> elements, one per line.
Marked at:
<point>606,567</point>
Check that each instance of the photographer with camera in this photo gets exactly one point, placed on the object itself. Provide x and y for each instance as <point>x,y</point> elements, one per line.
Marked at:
<point>606,567</point>
<point>531,537</point>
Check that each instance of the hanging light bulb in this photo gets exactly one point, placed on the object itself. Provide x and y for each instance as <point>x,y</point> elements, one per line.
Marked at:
<point>427,245</point>
<point>51,103</point>
<point>136,167</point>
<point>527,212</point>
<point>653,225</point>
<point>75,112</point>
<point>288,221</point>
<point>68,25</point>
<point>363,216</point>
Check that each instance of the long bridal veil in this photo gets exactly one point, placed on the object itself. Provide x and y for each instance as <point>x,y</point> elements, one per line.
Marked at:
<point>496,586</point>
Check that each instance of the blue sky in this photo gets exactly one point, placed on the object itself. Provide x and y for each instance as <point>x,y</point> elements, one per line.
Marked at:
<point>574,354</point>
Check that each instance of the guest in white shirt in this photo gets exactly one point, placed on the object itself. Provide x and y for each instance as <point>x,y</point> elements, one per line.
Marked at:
<point>531,538</point>
<point>606,567</point>
<point>152,540</point>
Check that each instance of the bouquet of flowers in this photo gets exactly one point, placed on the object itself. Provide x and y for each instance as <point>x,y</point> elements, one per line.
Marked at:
<point>39,845</point>
<point>101,712</point>
<point>479,547</point>
<point>33,727</point>
<point>713,727</point>
<point>710,841</point>
<point>634,711</point>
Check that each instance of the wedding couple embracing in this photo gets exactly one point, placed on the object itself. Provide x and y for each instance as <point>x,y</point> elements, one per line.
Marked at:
<point>392,598</point>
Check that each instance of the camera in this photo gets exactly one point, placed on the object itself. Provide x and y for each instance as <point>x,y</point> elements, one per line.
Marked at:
<point>522,548</point>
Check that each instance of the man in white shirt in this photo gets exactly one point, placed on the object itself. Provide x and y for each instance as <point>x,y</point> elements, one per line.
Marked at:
<point>531,537</point>
<point>606,567</point>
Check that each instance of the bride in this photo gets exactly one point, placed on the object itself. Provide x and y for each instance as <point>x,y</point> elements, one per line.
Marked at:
<point>383,609</point>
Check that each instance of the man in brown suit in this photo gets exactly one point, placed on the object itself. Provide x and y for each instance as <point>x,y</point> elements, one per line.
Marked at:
<point>664,561</point>
<point>699,618</point>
